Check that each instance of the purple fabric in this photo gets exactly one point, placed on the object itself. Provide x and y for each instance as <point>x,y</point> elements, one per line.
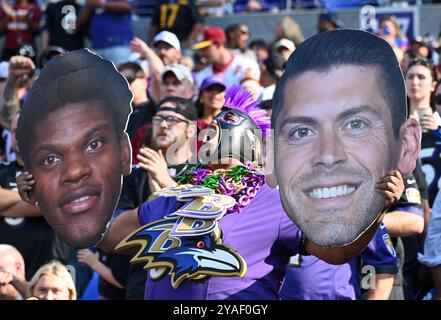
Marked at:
<point>315,279</point>
<point>262,234</point>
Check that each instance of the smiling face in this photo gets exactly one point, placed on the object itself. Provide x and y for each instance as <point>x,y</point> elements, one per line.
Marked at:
<point>331,149</point>
<point>78,162</point>
<point>213,97</point>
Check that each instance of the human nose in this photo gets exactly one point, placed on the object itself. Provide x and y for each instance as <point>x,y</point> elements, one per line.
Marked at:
<point>76,168</point>
<point>330,151</point>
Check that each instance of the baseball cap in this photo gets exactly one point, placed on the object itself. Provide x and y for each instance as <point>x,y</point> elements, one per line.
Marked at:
<point>288,44</point>
<point>4,70</point>
<point>180,71</point>
<point>168,37</point>
<point>211,35</point>
<point>212,80</point>
<point>182,106</point>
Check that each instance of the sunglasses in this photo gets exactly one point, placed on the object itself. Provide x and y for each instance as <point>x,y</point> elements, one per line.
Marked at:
<point>170,120</point>
<point>421,61</point>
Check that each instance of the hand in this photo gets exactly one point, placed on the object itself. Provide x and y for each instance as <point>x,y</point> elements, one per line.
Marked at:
<point>391,186</point>
<point>428,122</point>
<point>8,9</point>
<point>25,183</point>
<point>139,46</point>
<point>19,68</point>
<point>88,257</point>
<point>6,278</point>
<point>155,164</point>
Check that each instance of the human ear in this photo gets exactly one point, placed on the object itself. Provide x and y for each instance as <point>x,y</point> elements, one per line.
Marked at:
<point>270,175</point>
<point>410,139</point>
<point>126,154</point>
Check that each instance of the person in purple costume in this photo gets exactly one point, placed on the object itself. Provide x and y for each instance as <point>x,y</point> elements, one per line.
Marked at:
<point>257,228</point>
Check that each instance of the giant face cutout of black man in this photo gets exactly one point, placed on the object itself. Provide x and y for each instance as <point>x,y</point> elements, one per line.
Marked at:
<point>71,135</point>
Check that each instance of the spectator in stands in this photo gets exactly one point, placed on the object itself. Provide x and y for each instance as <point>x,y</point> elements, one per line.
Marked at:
<point>19,23</point>
<point>143,107</point>
<point>52,282</point>
<point>215,8</point>
<point>175,118</point>
<point>22,224</point>
<point>110,28</point>
<point>432,247</point>
<point>183,19</point>
<point>176,81</point>
<point>12,273</point>
<point>270,72</point>
<point>328,21</point>
<point>237,38</point>
<point>61,26</point>
<point>20,78</point>
<point>211,100</point>
<point>289,29</point>
<point>261,50</point>
<point>4,66</point>
<point>284,47</point>
<point>390,31</point>
<point>167,47</point>
<point>109,286</point>
<point>234,69</point>
<point>409,55</point>
<point>421,78</point>
<point>310,278</point>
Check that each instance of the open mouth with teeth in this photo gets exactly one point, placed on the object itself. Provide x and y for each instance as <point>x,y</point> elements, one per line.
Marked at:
<point>331,192</point>
<point>80,201</point>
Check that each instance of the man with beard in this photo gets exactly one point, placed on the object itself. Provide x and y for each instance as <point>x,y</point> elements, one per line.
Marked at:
<point>173,127</point>
<point>332,148</point>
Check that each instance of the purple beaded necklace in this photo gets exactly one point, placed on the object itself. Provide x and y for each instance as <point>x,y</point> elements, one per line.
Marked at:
<point>241,182</point>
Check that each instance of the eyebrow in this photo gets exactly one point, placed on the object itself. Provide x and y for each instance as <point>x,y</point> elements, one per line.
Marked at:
<point>89,133</point>
<point>343,115</point>
<point>356,110</point>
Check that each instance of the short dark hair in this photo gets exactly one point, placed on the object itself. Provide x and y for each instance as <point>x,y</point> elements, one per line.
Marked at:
<point>135,68</point>
<point>78,76</point>
<point>348,47</point>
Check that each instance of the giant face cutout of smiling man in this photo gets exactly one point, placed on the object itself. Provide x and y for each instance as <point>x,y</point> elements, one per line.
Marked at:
<point>340,123</point>
<point>71,134</point>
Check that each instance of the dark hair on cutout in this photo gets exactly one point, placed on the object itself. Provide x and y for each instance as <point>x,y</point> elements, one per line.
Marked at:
<point>78,76</point>
<point>348,47</point>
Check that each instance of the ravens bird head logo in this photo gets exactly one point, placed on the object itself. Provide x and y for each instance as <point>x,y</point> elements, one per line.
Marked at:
<point>184,257</point>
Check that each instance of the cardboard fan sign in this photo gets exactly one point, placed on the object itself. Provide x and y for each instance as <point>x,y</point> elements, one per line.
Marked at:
<point>71,136</point>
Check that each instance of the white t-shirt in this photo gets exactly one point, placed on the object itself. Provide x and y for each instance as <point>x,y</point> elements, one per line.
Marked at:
<point>240,71</point>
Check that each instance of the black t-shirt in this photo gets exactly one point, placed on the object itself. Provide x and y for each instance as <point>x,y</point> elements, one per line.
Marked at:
<point>141,115</point>
<point>177,16</point>
<point>32,237</point>
<point>58,21</point>
<point>115,262</point>
<point>135,188</point>
<point>431,161</point>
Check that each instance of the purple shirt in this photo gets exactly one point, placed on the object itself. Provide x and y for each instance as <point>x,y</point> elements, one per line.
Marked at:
<point>262,234</point>
<point>315,279</point>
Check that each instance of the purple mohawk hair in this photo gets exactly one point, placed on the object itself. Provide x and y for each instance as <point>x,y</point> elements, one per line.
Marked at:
<point>240,99</point>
